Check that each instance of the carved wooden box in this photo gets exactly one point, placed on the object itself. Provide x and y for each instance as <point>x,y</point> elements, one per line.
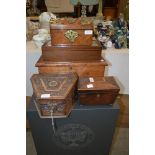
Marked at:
<point>82,68</point>
<point>97,90</point>
<point>54,93</point>
<point>71,53</point>
<point>71,31</point>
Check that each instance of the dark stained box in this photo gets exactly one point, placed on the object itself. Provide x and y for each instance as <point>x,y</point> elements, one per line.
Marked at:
<point>82,68</point>
<point>72,53</point>
<point>97,90</point>
<point>71,31</point>
<point>54,93</point>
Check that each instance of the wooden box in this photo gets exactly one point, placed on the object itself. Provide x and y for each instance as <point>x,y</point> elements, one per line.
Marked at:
<point>97,90</point>
<point>82,68</point>
<point>71,31</point>
<point>72,53</point>
<point>54,93</point>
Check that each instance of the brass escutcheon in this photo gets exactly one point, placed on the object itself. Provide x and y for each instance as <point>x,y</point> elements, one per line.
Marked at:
<point>71,35</point>
<point>52,83</point>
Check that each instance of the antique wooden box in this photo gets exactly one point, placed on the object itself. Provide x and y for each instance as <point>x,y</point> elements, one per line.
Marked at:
<point>82,68</point>
<point>72,53</point>
<point>71,31</point>
<point>97,90</point>
<point>54,93</point>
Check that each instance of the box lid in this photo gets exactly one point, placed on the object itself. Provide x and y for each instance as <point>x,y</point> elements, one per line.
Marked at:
<point>53,86</point>
<point>71,23</point>
<point>106,84</point>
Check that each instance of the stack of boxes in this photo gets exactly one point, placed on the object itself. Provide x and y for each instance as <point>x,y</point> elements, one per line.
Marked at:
<point>73,50</point>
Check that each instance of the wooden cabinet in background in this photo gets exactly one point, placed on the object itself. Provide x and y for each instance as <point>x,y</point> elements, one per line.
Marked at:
<point>110,8</point>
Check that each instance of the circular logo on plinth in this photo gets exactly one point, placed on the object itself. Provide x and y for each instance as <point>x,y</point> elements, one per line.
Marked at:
<point>73,136</point>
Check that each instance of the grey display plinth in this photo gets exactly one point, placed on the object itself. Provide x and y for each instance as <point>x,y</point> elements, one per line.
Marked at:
<point>87,131</point>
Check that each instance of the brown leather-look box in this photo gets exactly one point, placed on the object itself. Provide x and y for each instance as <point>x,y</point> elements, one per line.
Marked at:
<point>82,68</point>
<point>54,94</point>
<point>72,53</point>
<point>71,31</point>
<point>97,90</point>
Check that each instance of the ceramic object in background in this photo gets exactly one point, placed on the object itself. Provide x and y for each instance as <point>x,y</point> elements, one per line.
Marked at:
<point>109,44</point>
<point>99,26</point>
<point>39,40</point>
<point>46,16</point>
<point>103,40</point>
<point>45,33</point>
<point>44,20</point>
<point>42,37</point>
<point>121,39</point>
<point>42,31</point>
<point>117,44</point>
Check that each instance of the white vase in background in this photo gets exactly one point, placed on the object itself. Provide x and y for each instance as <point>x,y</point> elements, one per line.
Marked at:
<point>39,40</point>
<point>44,19</point>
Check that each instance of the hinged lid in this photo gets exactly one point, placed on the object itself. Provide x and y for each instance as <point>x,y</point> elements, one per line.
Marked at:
<point>106,84</point>
<point>72,23</point>
<point>53,86</point>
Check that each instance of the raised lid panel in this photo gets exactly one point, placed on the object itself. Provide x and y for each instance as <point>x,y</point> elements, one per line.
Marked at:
<point>53,86</point>
<point>106,83</point>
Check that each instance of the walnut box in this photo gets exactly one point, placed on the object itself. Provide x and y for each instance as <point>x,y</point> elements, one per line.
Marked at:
<point>97,90</point>
<point>71,31</point>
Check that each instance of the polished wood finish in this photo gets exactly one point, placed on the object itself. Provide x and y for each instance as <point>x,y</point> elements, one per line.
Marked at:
<point>58,38</point>
<point>58,33</point>
<point>72,53</point>
<point>97,90</point>
<point>82,68</point>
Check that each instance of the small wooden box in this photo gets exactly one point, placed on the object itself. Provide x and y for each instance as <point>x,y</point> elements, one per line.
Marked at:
<point>71,31</point>
<point>82,68</point>
<point>54,93</point>
<point>71,53</point>
<point>97,90</point>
